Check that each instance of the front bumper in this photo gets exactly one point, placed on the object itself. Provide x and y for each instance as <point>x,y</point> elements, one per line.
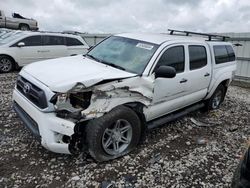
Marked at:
<point>48,128</point>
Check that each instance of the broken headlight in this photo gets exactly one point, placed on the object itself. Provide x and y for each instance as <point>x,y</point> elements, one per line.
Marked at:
<point>70,105</point>
<point>80,100</point>
<point>62,98</point>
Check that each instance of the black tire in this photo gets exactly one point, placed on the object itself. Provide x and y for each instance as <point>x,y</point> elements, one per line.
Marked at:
<point>219,94</point>
<point>6,64</point>
<point>24,27</point>
<point>241,177</point>
<point>96,129</point>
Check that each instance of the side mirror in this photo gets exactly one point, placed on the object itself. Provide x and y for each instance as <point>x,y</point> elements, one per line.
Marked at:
<point>21,44</point>
<point>165,72</point>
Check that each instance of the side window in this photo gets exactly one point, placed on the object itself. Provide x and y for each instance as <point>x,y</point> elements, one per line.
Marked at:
<point>32,41</point>
<point>53,40</point>
<point>197,57</point>
<point>223,54</point>
<point>73,42</point>
<point>173,57</point>
<point>230,52</point>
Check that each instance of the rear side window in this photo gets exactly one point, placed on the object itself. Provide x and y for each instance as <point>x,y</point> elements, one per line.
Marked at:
<point>32,41</point>
<point>230,52</point>
<point>73,42</point>
<point>197,57</point>
<point>173,57</point>
<point>223,54</point>
<point>53,40</point>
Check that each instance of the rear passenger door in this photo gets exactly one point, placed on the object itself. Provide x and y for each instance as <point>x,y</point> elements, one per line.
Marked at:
<point>53,47</point>
<point>199,72</point>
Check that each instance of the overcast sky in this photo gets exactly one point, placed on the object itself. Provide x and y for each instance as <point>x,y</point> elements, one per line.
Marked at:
<point>115,16</point>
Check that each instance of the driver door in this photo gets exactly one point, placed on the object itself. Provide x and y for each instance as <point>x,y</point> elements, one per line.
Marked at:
<point>169,92</point>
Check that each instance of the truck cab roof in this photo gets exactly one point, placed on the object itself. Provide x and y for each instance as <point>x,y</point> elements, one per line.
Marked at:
<point>159,38</point>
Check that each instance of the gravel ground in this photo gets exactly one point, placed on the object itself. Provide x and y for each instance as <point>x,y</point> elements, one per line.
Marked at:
<point>198,150</point>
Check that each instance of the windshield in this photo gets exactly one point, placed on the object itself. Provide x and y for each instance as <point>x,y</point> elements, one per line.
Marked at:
<point>10,38</point>
<point>124,53</point>
<point>3,33</point>
<point>7,34</point>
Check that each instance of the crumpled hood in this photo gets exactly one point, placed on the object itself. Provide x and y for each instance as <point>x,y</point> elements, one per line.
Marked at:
<point>61,74</point>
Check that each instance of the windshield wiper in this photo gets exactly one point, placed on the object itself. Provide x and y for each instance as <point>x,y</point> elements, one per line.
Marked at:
<point>104,62</point>
<point>114,65</point>
<point>92,57</point>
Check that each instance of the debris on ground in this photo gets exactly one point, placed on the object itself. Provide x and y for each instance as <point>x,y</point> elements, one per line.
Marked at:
<point>189,152</point>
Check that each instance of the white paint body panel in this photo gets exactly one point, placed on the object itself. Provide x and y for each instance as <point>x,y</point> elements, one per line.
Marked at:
<point>76,69</point>
<point>26,55</point>
<point>49,125</point>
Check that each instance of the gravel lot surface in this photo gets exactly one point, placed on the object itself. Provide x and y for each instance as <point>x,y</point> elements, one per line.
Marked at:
<point>198,150</point>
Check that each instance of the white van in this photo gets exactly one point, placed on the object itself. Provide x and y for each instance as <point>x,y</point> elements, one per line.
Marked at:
<point>28,47</point>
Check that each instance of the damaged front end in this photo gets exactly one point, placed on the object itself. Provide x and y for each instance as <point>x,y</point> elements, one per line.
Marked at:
<point>81,104</point>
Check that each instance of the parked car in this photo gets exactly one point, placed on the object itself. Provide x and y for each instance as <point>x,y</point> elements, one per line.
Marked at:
<point>8,33</point>
<point>4,31</point>
<point>17,22</point>
<point>103,101</point>
<point>241,178</point>
<point>26,47</point>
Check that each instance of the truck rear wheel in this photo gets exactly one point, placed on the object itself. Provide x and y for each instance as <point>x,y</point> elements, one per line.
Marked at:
<point>114,134</point>
<point>24,27</point>
<point>217,98</point>
<point>6,64</point>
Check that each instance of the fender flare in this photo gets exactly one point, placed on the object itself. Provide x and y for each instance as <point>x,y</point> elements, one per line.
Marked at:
<point>9,56</point>
<point>224,77</point>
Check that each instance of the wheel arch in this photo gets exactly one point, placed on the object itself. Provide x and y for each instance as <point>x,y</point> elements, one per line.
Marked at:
<point>80,127</point>
<point>19,26</point>
<point>9,56</point>
<point>225,82</point>
<point>137,107</point>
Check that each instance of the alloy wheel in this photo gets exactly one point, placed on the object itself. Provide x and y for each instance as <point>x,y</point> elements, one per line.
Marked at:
<point>217,99</point>
<point>117,137</point>
<point>5,65</point>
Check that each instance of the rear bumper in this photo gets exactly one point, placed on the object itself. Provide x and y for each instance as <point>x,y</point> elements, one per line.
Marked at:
<point>34,28</point>
<point>46,127</point>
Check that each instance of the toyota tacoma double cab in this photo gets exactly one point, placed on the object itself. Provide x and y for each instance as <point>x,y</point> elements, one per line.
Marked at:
<point>103,101</point>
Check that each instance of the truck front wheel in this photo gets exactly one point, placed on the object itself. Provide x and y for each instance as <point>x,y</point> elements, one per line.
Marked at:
<point>114,134</point>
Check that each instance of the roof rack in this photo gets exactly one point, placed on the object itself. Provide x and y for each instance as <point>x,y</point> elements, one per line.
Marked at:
<point>211,37</point>
<point>58,32</point>
<point>72,32</point>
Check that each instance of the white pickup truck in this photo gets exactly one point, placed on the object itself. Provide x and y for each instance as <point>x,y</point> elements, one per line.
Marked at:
<point>17,22</point>
<point>103,101</point>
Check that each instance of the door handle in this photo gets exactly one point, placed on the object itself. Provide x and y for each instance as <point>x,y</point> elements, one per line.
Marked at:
<point>183,80</point>
<point>207,74</point>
